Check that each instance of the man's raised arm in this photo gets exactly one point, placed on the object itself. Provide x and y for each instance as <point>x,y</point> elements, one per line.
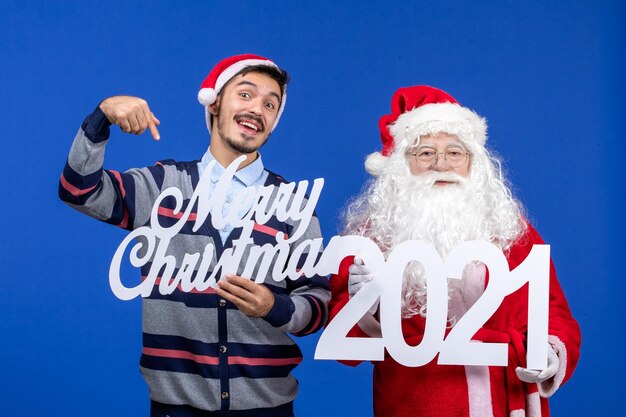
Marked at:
<point>109,195</point>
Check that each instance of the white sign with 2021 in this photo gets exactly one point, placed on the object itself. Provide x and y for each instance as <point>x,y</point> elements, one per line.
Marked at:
<point>457,348</point>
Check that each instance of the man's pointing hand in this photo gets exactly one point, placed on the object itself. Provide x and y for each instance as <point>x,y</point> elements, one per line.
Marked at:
<point>131,114</point>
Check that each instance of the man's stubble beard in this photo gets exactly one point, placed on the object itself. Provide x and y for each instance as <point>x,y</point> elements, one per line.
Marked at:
<point>241,147</point>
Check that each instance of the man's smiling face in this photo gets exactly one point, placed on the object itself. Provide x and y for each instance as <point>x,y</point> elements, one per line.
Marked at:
<point>245,111</point>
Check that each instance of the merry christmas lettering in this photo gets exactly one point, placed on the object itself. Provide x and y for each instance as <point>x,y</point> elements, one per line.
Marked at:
<point>290,203</point>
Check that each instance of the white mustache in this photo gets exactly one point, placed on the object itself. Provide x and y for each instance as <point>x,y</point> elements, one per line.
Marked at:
<point>430,178</point>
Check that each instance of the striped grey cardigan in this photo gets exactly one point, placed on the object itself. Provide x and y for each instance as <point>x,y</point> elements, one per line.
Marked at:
<point>198,349</point>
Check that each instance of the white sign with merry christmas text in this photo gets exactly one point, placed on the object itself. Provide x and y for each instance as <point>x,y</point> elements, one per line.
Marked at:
<point>457,348</point>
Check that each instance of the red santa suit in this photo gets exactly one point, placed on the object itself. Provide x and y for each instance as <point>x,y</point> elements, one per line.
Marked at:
<point>458,391</point>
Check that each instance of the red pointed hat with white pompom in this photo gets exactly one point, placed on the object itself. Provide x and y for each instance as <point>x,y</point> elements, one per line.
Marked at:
<point>227,69</point>
<point>427,107</point>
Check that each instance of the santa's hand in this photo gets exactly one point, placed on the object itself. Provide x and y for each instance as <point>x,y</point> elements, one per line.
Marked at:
<point>536,376</point>
<point>131,114</point>
<point>359,275</point>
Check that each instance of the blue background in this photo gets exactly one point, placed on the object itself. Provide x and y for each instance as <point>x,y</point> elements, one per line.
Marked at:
<point>545,74</point>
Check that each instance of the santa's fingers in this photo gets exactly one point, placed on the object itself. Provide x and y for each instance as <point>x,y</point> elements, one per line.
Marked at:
<point>526,375</point>
<point>356,269</point>
<point>531,376</point>
<point>549,372</point>
<point>354,288</point>
<point>355,278</point>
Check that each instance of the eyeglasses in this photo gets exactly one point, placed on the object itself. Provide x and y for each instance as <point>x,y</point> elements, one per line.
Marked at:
<point>427,157</point>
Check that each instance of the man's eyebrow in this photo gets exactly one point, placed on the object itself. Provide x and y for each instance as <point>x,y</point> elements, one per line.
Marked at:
<point>246,82</point>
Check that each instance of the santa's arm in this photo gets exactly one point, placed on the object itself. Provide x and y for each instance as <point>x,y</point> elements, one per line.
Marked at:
<point>563,331</point>
<point>340,297</point>
<point>563,336</point>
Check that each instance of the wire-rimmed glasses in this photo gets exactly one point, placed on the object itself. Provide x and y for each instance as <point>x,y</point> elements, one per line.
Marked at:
<point>427,156</point>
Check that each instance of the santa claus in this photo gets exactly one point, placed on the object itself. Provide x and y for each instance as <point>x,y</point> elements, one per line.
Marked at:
<point>435,181</point>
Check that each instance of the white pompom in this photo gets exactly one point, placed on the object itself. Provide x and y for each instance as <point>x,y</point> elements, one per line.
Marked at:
<point>375,162</point>
<point>207,96</point>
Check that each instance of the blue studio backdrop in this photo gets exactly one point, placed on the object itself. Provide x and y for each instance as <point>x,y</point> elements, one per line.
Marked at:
<point>548,76</point>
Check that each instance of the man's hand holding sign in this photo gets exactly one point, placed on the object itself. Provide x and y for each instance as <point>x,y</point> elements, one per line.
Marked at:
<point>252,299</point>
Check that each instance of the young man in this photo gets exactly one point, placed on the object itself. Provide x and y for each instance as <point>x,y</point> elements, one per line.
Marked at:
<point>435,181</point>
<point>224,350</point>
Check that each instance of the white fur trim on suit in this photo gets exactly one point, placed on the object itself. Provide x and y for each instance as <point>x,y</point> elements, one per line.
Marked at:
<point>549,387</point>
<point>533,405</point>
<point>479,391</point>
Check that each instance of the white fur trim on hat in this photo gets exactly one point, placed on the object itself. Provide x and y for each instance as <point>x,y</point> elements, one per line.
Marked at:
<point>207,98</point>
<point>432,118</point>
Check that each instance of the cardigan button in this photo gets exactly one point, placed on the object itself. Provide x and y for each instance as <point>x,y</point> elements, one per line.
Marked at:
<point>222,303</point>
<point>223,349</point>
<point>225,395</point>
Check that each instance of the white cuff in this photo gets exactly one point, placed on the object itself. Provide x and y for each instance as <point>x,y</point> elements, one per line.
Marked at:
<point>548,388</point>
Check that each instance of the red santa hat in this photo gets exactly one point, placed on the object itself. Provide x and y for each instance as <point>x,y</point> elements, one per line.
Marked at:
<point>421,110</point>
<point>227,69</point>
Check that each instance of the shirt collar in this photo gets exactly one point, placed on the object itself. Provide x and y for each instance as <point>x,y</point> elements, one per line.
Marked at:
<point>247,175</point>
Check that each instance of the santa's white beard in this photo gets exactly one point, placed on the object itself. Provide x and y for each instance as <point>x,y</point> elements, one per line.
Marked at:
<point>442,215</point>
<point>398,207</point>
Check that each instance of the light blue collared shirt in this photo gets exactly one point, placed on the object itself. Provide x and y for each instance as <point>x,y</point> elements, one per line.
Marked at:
<point>253,175</point>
